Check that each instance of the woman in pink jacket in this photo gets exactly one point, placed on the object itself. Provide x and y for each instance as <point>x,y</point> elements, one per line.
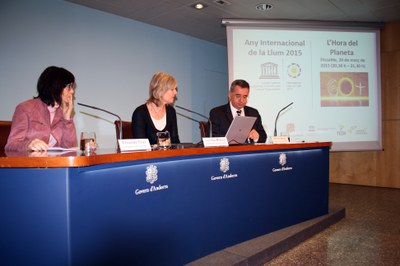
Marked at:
<point>46,120</point>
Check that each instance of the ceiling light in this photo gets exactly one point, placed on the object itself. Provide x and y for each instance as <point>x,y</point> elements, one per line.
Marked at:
<point>199,6</point>
<point>222,2</point>
<point>264,7</point>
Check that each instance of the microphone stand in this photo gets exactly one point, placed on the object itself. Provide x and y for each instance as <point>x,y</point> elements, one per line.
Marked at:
<point>190,111</point>
<point>276,119</point>
<point>108,112</point>
<point>188,117</point>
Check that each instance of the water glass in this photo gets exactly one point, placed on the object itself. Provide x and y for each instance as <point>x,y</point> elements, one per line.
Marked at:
<point>163,140</point>
<point>88,141</point>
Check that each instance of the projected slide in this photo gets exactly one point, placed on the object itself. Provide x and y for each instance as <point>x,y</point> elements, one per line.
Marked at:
<point>331,76</point>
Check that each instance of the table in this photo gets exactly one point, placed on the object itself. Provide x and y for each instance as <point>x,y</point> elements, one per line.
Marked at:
<point>158,207</point>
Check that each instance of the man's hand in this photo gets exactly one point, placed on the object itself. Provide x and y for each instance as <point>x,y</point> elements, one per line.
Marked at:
<point>254,135</point>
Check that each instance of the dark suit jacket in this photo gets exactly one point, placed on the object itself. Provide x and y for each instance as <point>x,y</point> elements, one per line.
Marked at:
<point>221,118</point>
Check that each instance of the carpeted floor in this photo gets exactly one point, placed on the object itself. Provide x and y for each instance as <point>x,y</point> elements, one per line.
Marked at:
<point>368,235</point>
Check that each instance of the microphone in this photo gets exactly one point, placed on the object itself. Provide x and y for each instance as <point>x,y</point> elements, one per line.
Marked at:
<point>190,111</point>
<point>276,119</point>
<point>108,112</point>
<point>188,117</point>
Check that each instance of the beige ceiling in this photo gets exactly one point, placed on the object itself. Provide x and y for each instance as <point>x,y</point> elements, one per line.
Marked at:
<point>179,16</point>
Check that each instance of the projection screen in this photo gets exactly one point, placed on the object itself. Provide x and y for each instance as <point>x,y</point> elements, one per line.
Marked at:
<point>330,71</point>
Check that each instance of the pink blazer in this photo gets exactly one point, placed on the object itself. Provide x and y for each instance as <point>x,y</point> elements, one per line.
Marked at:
<point>31,120</point>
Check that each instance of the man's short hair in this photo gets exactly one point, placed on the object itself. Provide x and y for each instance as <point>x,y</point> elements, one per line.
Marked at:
<point>239,82</point>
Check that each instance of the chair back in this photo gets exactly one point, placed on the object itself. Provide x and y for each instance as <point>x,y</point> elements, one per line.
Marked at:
<point>5,128</point>
<point>126,129</point>
<point>204,129</point>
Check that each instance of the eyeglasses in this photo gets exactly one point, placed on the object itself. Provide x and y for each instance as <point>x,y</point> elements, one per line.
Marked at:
<point>71,86</point>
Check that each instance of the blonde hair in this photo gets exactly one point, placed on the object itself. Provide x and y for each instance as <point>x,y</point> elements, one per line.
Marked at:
<point>160,83</point>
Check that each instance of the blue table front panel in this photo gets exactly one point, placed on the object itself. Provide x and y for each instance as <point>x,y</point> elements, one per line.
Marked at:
<point>34,217</point>
<point>184,208</point>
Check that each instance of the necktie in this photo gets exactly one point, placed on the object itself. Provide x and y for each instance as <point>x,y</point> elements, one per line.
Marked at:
<point>239,112</point>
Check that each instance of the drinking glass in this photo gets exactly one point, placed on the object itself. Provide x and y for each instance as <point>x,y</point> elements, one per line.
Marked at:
<point>88,141</point>
<point>163,140</point>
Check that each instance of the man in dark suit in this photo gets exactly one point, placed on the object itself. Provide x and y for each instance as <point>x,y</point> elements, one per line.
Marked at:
<point>222,116</point>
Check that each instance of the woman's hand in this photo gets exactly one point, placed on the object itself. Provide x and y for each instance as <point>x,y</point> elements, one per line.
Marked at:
<point>67,102</point>
<point>37,145</point>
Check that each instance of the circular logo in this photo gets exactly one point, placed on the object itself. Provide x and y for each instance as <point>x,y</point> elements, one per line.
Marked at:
<point>345,86</point>
<point>294,70</point>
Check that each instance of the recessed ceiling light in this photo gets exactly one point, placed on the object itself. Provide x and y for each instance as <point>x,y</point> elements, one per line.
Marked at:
<point>199,6</point>
<point>222,2</point>
<point>264,7</point>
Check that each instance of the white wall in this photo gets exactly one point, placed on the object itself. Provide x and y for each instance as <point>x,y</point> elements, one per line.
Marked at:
<point>112,58</point>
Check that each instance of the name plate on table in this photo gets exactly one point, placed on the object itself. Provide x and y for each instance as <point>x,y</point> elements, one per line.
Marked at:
<point>215,142</point>
<point>134,144</point>
<point>280,139</point>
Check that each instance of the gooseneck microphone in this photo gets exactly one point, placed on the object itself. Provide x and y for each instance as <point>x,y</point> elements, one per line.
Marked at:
<point>276,119</point>
<point>191,111</point>
<point>108,112</point>
<point>188,117</point>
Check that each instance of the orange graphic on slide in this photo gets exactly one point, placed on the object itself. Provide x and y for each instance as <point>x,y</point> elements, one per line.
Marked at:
<point>344,89</point>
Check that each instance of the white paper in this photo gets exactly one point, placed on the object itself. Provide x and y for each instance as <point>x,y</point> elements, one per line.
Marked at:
<point>215,142</point>
<point>134,144</point>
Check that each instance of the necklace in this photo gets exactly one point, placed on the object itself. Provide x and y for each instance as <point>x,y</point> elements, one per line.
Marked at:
<point>159,113</point>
